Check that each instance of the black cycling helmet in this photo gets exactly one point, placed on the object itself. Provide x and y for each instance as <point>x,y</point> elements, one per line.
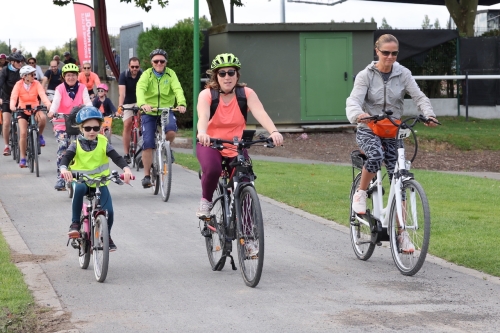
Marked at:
<point>158,52</point>
<point>16,57</point>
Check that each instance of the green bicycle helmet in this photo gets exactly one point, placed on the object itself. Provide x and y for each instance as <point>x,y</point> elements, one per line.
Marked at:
<point>225,60</point>
<point>70,68</point>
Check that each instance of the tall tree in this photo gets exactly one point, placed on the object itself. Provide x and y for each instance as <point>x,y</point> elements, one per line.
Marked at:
<point>205,23</point>
<point>426,23</point>
<point>362,20</point>
<point>437,25</point>
<point>385,25</point>
<point>463,13</point>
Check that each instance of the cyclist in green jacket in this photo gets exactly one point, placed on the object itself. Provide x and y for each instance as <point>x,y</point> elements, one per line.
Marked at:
<point>158,87</point>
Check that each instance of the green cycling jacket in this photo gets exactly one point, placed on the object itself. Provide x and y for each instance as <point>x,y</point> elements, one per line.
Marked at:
<point>159,93</point>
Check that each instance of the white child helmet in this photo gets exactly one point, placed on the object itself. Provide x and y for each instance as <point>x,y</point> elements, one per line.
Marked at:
<point>25,70</point>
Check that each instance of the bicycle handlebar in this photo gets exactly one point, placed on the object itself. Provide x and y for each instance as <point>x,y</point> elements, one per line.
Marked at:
<point>114,177</point>
<point>36,109</point>
<point>388,115</point>
<point>218,143</point>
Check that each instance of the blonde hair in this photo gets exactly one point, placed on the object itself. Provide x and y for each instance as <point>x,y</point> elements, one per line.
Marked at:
<point>387,38</point>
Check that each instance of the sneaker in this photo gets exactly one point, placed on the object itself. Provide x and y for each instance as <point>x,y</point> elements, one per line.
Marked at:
<point>359,202</point>
<point>112,246</point>
<point>204,209</point>
<point>74,230</point>
<point>251,248</point>
<point>404,243</point>
<point>6,151</point>
<point>127,159</point>
<point>146,182</point>
<point>42,141</point>
<point>22,163</point>
<point>60,184</point>
<point>172,155</point>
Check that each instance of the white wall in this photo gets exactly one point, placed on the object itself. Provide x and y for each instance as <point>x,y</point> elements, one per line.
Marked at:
<point>448,107</point>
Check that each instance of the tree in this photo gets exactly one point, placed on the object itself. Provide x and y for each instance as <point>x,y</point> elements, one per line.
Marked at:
<point>4,48</point>
<point>372,20</point>
<point>436,24</point>
<point>41,56</point>
<point>362,20</point>
<point>464,14</point>
<point>204,22</point>
<point>426,23</point>
<point>385,25</point>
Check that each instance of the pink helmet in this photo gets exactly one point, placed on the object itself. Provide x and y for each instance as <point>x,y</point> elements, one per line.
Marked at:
<point>3,56</point>
<point>103,86</point>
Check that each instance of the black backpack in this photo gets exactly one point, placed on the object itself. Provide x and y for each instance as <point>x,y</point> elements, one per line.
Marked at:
<point>240,96</point>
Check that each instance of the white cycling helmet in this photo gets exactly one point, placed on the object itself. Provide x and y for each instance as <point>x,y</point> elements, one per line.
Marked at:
<point>25,70</point>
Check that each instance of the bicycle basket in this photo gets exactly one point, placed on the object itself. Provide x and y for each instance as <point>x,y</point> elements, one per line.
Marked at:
<point>358,159</point>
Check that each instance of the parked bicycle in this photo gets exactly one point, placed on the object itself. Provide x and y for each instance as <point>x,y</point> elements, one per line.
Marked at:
<point>94,233</point>
<point>134,135</point>
<point>407,206</point>
<point>236,213</point>
<point>33,148</point>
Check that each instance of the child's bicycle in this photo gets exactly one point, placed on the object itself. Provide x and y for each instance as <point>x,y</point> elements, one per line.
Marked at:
<point>106,126</point>
<point>407,206</point>
<point>94,233</point>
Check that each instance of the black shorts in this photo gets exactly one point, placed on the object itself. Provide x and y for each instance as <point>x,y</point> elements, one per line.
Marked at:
<point>6,108</point>
<point>22,115</point>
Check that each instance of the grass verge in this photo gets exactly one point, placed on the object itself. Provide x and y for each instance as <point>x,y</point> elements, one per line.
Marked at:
<point>464,220</point>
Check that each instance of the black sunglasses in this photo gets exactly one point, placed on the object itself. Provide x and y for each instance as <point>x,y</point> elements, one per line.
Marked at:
<point>91,128</point>
<point>230,72</point>
<point>159,61</point>
<point>134,67</point>
<point>101,90</point>
<point>31,63</point>
<point>386,53</point>
<point>86,67</point>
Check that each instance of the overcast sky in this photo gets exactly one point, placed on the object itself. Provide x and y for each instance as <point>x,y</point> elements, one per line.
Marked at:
<point>53,25</point>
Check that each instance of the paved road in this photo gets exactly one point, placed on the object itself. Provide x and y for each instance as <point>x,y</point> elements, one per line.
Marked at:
<point>160,280</point>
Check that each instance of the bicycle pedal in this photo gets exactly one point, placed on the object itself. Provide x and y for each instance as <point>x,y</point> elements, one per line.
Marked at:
<point>206,232</point>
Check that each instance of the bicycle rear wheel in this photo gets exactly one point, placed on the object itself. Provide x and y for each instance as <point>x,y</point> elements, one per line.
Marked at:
<point>13,140</point>
<point>417,220</point>
<point>101,248</point>
<point>35,149</point>
<point>16,147</point>
<point>155,172</point>
<point>84,252</point>
<point>165,171</point>
<point>30,157</point>
<point>216,240</point>
<point>250,240</point>
<point>361,235</point>
<point>133,147</point>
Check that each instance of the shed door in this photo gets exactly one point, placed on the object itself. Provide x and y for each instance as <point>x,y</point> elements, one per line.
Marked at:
<point>325,75</point>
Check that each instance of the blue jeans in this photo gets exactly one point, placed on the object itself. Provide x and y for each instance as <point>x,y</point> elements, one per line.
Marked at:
<point>106,203</point>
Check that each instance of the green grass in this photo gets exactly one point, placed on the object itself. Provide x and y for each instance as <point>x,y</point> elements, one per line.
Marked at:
<point>464,219</point>
<point>15,298</point>
<point>476,134</point>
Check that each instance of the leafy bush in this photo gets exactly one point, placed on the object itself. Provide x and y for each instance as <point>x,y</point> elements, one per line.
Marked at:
<point>178,42</point>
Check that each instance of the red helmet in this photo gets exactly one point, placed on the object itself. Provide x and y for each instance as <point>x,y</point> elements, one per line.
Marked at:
<point>3,56</point>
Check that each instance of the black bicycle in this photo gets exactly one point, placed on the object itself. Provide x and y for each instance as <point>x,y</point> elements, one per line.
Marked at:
<point>33,148</point>
<point>236,213</point>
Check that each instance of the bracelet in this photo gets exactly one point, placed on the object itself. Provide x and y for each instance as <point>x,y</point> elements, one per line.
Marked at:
<point>274,132</point>
<point>202,132</point>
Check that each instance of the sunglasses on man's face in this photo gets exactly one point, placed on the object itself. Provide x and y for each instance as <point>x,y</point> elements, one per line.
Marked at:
<point>134,67</point>
<point>91,128</point>
<point>387,53</point>
<point>159,61</point>
<point>17,61</point>
<point>230,72</point>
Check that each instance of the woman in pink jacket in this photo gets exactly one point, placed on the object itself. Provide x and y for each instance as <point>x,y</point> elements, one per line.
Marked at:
<point>68,94</point>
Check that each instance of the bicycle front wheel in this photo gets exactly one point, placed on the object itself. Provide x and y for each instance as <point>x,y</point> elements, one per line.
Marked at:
<point>133,146</point>
<point>215,241</point>
<point>30,157</point>
<point>250,241</point>
<point>35,148</point>
<point>101,248</point>
<point>13,141</point>
<point>165,171</point>
<point>16,147</point>
<point>84,251</point>
<point>417,223</point>
<point>155,173</point>
<point>361,235</point>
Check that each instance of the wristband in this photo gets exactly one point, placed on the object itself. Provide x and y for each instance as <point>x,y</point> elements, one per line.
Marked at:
<point>202,132</point>
<point>274,132</point>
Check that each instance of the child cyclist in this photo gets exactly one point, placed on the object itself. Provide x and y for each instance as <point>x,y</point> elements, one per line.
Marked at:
<point>26,92</point>
<point>90,154</point>
<point>104,104</point>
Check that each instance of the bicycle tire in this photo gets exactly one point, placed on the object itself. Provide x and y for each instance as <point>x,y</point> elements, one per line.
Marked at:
<point>30,157</point>
<point>165,171</point>
<point>250,229</point>
<point>13,137</point>
<point>84,252</point>
<point>361,235</point>
<point>100,248</point>
<point>17,148</point>
<point>216,243</point>
<point>155,174</point>
<point>416,213</point>
<point>35,149</point>
<point>133,146</point>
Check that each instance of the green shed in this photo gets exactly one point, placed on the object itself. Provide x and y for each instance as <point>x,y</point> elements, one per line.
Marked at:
<point>302,72</point>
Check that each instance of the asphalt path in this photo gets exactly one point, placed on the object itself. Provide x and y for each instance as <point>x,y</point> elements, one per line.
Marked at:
<point>160,279</point>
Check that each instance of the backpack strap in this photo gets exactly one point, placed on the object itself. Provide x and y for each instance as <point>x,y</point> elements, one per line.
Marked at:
<point>240,97</point>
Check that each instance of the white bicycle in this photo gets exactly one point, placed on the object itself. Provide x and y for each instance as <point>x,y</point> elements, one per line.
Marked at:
<point>407,206</point>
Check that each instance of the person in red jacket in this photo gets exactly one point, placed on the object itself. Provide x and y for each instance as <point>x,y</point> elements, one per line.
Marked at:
<point>27,90</point>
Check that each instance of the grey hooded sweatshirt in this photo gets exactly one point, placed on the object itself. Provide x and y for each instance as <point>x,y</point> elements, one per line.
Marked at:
<point>370,93</point>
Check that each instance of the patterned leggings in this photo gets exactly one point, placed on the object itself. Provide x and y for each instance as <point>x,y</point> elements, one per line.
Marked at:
<point>62,144</point>
<point>377,150</point>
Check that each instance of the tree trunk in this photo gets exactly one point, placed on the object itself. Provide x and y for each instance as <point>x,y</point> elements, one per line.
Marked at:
<point>217,12</point>
<point>463,13</point>
<point>101,66</point>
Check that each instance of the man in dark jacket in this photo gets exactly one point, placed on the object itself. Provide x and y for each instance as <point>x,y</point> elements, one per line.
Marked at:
<point>9,75</point>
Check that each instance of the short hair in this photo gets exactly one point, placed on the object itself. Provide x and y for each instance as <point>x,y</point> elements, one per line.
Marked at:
<point>53,61</point>
<point>133,59</point>
<point>54,57</point>
<point>32,58</point>
<point>387,38</point>
<point>86,62</point>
